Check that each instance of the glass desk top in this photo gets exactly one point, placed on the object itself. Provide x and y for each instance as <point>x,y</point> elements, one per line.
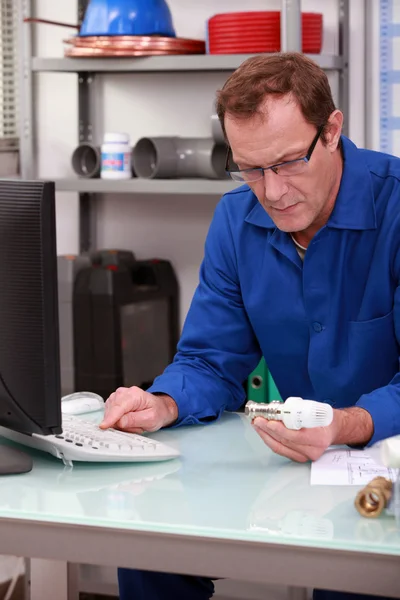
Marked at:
<point>226,484</point>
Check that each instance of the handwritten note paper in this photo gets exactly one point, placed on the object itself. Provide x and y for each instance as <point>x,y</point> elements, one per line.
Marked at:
<point>339,466</point>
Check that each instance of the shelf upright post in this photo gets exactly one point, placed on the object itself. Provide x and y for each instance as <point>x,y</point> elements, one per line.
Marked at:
<point>87,205</point>
<point>344,37</point>
<point>26,121</point>
<point>291,26</point>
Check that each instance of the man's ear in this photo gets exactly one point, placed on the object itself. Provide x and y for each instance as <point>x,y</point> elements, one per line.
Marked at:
<point>333,130</point>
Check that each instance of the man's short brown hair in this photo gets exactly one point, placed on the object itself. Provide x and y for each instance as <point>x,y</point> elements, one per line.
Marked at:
<point>277,74</point>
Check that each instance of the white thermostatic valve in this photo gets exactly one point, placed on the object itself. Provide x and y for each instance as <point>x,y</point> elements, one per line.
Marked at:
<point>295,413</point>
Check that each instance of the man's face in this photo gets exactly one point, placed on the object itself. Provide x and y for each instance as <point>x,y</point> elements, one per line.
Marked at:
<point>296,203</point>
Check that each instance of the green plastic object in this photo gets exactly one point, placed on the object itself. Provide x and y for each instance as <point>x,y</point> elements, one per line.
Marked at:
<point>260,385</point>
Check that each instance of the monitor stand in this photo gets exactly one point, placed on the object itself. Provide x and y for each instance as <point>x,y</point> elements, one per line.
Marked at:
<point>13,461</point>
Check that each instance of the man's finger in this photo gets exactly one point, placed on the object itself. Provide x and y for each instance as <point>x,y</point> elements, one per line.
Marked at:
<point>279,448</point>
<point>277,430</point>
<point>311,451</point>
<point>122,401</point>
<point>113,413</point>
<point>301,437</point>
<point>142,419</point>
<point>137,430</point>
<point>108,403</point>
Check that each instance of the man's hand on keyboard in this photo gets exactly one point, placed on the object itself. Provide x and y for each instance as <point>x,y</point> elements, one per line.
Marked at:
<point>136,411</point>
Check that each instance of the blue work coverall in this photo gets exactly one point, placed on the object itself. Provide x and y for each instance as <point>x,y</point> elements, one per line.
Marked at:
<point>328,327</point>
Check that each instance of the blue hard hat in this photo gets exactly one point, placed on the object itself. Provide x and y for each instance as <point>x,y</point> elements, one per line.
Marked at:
<point>127,17</point>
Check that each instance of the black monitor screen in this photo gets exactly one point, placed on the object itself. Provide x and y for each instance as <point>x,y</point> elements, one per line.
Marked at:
<point>30,396</point>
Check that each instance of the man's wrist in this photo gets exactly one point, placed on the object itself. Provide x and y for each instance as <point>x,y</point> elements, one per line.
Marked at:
<point>352,426</point>
<point>171,406</point>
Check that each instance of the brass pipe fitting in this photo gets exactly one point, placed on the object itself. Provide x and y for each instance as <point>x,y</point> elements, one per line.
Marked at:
<point>374,497</point>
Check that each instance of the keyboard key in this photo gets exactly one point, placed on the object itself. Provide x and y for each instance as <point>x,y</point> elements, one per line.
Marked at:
<point>112,446</point>
<point>125,448</point>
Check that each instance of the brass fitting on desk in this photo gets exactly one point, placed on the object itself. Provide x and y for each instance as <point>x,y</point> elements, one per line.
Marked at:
<point>374,497</point>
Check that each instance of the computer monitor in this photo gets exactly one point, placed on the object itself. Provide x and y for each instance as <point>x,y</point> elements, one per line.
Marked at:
<point>30,394</point>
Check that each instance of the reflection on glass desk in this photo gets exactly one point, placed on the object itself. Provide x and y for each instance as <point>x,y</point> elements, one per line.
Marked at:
<point>226,484</point>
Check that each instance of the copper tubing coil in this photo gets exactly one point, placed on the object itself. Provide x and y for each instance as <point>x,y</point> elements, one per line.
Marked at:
<point>133,39</point>
<point>374,497</point>
<point>132,46</point>
<point>98,52</point>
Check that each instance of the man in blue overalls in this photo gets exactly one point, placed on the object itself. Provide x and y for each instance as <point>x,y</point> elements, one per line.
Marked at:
<point>301,266</point>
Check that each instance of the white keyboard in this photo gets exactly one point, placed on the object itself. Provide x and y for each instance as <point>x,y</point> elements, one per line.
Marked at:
<point>85,441</point>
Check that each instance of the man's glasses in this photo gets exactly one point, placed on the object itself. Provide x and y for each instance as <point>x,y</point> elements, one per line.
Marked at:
<point>285,169</point>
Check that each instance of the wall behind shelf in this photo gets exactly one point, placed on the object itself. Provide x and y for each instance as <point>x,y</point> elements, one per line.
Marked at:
<point>154,104</point>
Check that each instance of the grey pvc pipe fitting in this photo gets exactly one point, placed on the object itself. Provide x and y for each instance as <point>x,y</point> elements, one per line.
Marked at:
<point>216,130</point>
<point>86,160</point>
<point>175,157</point>
<point>155,158</point>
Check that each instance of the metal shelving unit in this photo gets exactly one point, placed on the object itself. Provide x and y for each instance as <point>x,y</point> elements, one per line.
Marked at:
<point>86,70</point>
<point>201,62</point>
<point>147,186</point>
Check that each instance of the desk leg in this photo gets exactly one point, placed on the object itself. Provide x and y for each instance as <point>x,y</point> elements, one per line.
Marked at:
<point>51,579</point>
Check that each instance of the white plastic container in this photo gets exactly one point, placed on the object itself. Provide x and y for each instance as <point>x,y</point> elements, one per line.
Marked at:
<point>116,154</point>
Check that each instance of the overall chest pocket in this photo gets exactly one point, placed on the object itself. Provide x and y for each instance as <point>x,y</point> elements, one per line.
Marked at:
<point>373,350</point>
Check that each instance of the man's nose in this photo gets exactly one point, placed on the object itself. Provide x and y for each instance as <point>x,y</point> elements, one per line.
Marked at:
<point>275,186</point>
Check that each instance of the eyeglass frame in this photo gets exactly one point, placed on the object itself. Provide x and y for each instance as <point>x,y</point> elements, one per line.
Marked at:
<point>305,158</point>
